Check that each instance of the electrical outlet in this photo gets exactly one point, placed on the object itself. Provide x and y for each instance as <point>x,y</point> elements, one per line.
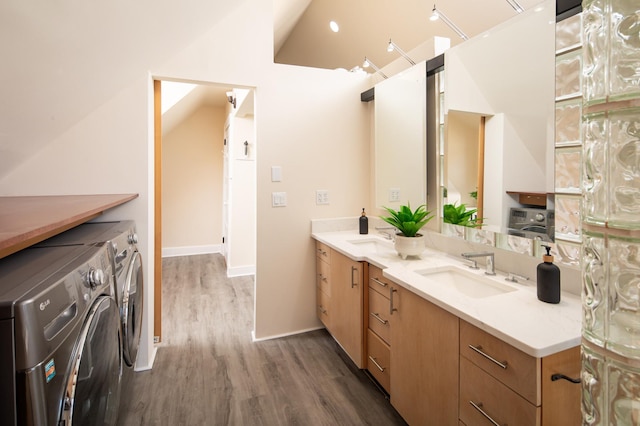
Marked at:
<point>322,196</point>
<point>394,194</point>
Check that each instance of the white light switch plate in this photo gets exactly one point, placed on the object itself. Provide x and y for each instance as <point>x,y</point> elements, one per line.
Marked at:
<point>276,174</point>
<point>278,199</point>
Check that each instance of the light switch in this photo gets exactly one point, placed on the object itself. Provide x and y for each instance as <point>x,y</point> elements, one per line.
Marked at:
<point>278,199</point>
<point>276,174</point>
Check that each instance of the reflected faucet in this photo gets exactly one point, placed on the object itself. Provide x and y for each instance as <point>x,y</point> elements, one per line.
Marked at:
<point>491,270</point>
<point>389,232</point>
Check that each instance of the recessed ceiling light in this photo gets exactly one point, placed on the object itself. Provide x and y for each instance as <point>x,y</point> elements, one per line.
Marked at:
<point>334,26</point>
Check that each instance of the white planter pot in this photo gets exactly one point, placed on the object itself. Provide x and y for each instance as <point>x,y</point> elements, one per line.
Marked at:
<point>409,246</point>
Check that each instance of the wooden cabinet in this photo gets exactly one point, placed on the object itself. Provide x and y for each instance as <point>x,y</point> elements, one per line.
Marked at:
<point>340,299</point>
<point>379,321</point>
<point>424,360</point>
<point>323,284</point>
<point>511,387</point>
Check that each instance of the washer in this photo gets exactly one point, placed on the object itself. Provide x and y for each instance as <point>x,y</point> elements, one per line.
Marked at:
<point>61,356</point>
<point>126,262</point>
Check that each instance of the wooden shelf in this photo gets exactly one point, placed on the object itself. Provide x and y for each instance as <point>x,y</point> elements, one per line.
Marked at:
<point>538,199</point>
<point>25,221</point>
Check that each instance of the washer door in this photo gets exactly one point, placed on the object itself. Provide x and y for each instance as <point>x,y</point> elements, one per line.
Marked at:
<point>92,393</point>
<point>131,309</point>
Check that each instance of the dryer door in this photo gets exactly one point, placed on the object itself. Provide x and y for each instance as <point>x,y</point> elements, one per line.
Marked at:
<point>92,393</point>
<point>131,309</point>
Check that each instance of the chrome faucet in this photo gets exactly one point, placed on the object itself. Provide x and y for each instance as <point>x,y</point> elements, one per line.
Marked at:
<point>491,270</point>
<point>389,232</point>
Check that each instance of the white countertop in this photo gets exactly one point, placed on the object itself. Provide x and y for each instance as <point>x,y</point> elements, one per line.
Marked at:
<point>517,317</point>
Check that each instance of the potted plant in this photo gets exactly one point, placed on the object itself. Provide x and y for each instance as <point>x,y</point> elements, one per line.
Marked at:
<point>408,241</point>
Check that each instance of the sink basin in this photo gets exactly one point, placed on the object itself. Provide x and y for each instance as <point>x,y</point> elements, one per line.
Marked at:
<point>375,245</point>
<point>469,283</point>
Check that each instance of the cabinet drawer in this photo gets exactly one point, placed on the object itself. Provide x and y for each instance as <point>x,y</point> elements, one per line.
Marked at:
<point>518,371</point>
<point>378,356</point>
<point>379,315</point>
<point>323,302</point>
<point>323,252</point>
<point>323,276</point>
<point>377,281</point>
<point>493,398</point>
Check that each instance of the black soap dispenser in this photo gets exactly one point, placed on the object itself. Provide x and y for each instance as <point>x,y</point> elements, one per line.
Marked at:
<point>548,276</point>
<point>364,223</point>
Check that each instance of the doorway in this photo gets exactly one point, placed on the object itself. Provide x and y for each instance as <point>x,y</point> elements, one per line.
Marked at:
<point>193,185</point>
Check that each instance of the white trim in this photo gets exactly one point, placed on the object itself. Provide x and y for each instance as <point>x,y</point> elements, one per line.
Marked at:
<point>149,364</point>
<point>240,271</point>
<point>277,336</point>
<point>191,250</point>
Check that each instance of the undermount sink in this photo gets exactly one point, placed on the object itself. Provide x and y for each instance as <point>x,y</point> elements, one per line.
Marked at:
<point>372,244</point>
<point>469,283</point>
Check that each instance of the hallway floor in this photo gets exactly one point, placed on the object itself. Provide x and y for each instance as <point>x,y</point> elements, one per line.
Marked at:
<point>209,372</point>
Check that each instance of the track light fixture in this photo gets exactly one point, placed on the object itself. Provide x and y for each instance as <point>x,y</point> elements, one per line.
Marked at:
<point>367,63</point>
<point>392,46</point>
<point>231,98</point>
<point>436,14</point>
<point>516,6</point>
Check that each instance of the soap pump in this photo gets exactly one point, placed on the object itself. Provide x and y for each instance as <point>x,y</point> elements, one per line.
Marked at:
<point>364,223</point>
<point>548,276</point>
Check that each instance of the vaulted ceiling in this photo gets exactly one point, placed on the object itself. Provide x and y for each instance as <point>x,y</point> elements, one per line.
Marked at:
<point>302,34</point>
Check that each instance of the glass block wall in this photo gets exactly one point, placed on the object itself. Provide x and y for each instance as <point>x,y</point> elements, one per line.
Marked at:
<point>568,140</point>
<point>610,212</point>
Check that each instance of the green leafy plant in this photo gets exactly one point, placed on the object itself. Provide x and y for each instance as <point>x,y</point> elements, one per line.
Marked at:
<point>459,215</point>
<point>408,222</point>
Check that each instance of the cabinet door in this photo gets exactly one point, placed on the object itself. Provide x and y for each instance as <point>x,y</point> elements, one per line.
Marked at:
<point>347,295</point>
<point>561,398</point>
<point>424,361</point>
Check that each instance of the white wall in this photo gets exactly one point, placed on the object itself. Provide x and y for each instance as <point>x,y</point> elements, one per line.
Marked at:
<point>324,144</point>
<point>241,227</point>
<point>309,121</point>
<point>192,184</point>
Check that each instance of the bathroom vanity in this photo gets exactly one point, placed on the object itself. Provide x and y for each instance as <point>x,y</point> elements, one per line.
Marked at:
<point>450,345</point>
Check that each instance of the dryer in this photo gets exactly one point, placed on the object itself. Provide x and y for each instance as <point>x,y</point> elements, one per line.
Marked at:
<point>121,239</point>
<point>61,358</point>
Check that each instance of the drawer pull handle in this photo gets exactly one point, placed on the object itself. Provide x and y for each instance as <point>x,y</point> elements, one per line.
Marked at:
<point>322,278</point>
<point>478,407</point>
<point>391,308</point>
<point>373,360</point>
<point>353,278</point>
<point>322,252</point>
<point>559,376</point>
<point>322,310</point>
<point>478,349</point>
<point>377,281</point>
<point>376,316</point>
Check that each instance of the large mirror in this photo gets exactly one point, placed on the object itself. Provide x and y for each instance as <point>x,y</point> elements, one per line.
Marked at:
<point>498,126</point>
<point>499,106</point>
<point>400,139</point>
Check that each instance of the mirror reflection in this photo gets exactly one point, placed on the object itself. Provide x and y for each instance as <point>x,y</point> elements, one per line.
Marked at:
<point>499,105</point>
<point>497,146</point>
<point>400,138</point>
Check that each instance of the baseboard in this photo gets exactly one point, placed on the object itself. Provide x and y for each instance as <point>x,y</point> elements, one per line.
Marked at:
<point>277,336</point>
<point>240,271</point>
<point>191,250</point>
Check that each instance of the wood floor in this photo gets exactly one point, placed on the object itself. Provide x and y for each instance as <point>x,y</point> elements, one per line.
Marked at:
<point>209,372</point>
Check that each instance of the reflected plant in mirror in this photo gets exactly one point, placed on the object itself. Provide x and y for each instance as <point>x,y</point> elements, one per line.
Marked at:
<point>461,215</point>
